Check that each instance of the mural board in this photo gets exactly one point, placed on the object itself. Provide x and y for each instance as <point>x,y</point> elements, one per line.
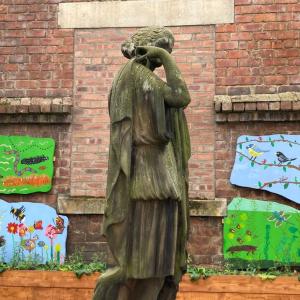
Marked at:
<point>26,164</point>
<point>31,231</point>
<point>269,163</point>
<point>261,234</point>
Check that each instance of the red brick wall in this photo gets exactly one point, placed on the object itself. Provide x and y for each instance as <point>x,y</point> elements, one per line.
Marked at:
<point>97,60</point>
<point>260,52</point>
<point>36,57</point>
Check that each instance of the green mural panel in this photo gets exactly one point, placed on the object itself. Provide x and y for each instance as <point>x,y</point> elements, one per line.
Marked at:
<point>261,233</point>
<point>26,164</point>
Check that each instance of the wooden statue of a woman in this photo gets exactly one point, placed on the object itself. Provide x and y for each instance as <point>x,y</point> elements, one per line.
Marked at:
<point>146,218</point>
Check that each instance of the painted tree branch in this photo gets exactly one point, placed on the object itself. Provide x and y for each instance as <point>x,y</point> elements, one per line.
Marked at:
<point>269,141</point>
<point>269,165</point>
<point>278,181</point>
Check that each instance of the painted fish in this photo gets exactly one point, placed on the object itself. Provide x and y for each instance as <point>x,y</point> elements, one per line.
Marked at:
<point>34,160</point>
<point>246,248</point>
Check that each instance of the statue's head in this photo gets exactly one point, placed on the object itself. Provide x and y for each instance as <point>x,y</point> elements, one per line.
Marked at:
<point>148,36</point>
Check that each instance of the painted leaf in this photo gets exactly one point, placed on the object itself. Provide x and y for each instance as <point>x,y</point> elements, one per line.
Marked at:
<point>266,167</point>
<point>252,164</point>
<point>286,185</point>
<point>284,169</point>
<point>282,137</point>
<point>260,184</point>
<point>272,144</point>
<point>241,158</point>
<point>241,146</point>
<point>290,145</point>
<point>247,139</point>
<point>270,184</point>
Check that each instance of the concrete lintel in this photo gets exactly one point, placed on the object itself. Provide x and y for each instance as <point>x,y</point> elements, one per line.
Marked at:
<point>145,13</point>
<point>208,208</point>
<point>88,205</point>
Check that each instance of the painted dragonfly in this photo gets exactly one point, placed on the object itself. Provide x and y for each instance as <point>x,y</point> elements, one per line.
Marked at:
<point>279,217</point>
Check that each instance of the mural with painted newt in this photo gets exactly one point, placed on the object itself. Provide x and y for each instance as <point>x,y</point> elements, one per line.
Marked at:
<point>26,164</point>
<point>261,233</point>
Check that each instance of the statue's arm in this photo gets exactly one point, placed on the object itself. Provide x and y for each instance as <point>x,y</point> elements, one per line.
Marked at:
<point>175,91</point>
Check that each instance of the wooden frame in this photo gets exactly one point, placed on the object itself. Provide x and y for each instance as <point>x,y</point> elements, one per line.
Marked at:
<point>56,285</point>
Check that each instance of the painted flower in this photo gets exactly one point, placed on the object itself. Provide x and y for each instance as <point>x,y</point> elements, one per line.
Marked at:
<point>31,229</point>
<point>46,247</point>
<point>50,232</point>
<point>22,229</point>
<point>41,243</point>
<point>57,247</point>
<point>29,245</point>
<point>12,228</point>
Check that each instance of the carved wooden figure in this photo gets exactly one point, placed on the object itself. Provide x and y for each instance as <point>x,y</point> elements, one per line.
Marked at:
<point>146,218</point>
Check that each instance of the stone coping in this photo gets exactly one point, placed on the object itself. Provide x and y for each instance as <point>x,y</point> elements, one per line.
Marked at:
<point>35,110</point>
<point>96,205</point>
<point>258,107</point>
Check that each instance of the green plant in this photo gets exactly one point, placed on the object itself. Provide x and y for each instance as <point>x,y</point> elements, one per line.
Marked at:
<point>74,263</point>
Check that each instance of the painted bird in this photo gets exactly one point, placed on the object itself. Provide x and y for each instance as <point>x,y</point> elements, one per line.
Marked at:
<point>282,158</point>
<point>255,151</point>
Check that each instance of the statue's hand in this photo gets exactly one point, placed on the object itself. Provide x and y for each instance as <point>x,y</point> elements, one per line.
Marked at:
<point>150,52</point>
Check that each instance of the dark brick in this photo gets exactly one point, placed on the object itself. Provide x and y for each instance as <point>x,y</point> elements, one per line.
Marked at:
<point>240,90</point>
<point>263,89</point>
<point>288,88</point>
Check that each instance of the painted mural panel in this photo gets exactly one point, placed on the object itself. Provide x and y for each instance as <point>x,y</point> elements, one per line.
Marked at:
<point>269,163</point>
<point>26,164</point>
<point>261,233</point>
<point>31,231</point>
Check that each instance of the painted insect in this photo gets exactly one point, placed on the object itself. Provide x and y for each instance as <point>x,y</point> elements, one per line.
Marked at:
<point>240,240</point>
<point>18,213</point>
<point>278,218</point>
<point>34,160</point>
<point>2,241</point>
<point>59,225</point>
<point>38,225</point>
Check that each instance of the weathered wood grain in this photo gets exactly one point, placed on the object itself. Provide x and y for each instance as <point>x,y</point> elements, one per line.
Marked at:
<point>55,285</point>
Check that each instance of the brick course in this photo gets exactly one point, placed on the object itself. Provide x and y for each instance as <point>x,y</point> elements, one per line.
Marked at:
<point>261,50</point>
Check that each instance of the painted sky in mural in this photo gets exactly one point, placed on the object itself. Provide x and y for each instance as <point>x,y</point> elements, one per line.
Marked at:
<point>32,231</point>
<point>262,233</point>
<point>269,163</point>
<point>26,164</point>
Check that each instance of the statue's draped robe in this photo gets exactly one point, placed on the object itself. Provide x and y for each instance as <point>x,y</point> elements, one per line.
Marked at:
<point>146,218</point>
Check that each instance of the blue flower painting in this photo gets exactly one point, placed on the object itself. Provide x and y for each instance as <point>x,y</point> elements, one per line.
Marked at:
<point>31,231</point>
<point>269,163</point>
